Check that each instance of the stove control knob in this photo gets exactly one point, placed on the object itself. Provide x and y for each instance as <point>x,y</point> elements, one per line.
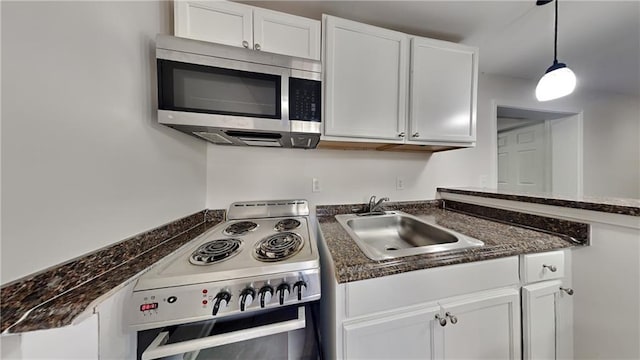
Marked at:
<point>246,298</point>
<point>283,292</point>
<point>265,294</point>
<point>222,296</point>
<point>300,284</point>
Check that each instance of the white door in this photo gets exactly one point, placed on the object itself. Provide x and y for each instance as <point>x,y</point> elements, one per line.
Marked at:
<point>522,164</point>
<point>443,91</point>
<point>365,81</point>
<point>214,21</point>
<point>539,316</point>
<point>286,34</point>
<point>487,326</point>
<point>400,336</point>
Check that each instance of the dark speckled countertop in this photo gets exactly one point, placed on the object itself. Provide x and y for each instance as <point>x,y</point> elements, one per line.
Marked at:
<point>59,295</point>
<point>500,240</point>
<point>603,204</point>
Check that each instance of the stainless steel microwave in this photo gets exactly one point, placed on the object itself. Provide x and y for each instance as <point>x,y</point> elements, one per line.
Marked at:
<point>236,96</point>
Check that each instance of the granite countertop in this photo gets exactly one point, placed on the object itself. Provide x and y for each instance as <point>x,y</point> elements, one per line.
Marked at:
<point>500,240</point>
<point>603,204</point>
<point>64,293</point>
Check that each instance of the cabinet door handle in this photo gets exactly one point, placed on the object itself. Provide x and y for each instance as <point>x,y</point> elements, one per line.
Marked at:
<point>441,320</point>
<point>257,47</point>
<point>245,44</point>
<point>452,318</point>
<point>416,134</point>
<point>569,291</point>
<point>401,134</point>
<point>550,267</point>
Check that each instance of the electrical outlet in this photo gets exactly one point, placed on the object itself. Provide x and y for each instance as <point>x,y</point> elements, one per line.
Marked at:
<point>315,185</point>
<point>399,183</point>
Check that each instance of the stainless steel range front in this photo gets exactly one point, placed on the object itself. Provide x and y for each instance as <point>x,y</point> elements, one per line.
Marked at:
<point>263,258</point>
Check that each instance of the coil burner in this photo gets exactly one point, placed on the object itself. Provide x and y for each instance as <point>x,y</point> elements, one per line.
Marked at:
<point>240,228</point>
<point>278,247</point>
<point>287,225</point>
<point>215,251</point>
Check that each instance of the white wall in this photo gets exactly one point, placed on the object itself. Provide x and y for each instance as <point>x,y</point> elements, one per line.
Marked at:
<point>611,131</point>
<point>84,162</point>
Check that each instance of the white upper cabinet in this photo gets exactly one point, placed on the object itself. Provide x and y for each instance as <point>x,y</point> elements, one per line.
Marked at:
<point>214,21</point>
<point>366,71</point>
<point>382,88</point>
<point>442,102</point>
<point>247,26</point>
<point>281,33</point>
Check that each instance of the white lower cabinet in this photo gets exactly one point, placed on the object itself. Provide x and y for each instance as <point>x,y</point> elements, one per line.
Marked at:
<point>547,306</point>
<point>407,335</point>
<point>507,308</point>
<point>539,309</point>
<point>484,326</point>
<point>477,326</point>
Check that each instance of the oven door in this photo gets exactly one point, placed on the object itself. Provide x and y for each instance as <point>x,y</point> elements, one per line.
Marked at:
<point>284,333</point>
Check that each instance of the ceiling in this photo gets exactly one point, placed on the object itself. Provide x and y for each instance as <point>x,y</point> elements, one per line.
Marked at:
<point>598,40</point>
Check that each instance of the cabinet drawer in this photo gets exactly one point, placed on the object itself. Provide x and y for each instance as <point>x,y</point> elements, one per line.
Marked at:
<point>539,267</point>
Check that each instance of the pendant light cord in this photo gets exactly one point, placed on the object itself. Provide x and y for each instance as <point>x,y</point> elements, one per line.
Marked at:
<point>555,40</point>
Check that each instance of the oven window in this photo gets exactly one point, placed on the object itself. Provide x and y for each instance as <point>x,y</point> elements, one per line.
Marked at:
<point>207,89</point>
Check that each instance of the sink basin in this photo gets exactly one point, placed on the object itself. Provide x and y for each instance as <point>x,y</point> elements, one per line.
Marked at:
<point>394,234</point>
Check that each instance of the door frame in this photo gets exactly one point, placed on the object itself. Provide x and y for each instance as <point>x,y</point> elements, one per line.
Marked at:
<point>493,125</point>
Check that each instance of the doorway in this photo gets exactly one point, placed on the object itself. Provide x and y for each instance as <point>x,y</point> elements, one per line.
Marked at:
<point>539,151</point>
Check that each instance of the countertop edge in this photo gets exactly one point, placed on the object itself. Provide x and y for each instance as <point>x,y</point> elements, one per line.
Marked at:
<point>605,205</point>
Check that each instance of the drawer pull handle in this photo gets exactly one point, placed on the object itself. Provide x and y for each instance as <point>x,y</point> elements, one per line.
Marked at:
<point>552,268</point>
<point>569,291</point>
<point>452,318</point>
<point>441,320</point>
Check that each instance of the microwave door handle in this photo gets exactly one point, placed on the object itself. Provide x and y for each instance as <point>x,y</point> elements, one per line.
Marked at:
<point>159,347</point>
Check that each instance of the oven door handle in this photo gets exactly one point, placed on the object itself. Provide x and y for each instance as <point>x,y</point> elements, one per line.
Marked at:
<point>159,349</point>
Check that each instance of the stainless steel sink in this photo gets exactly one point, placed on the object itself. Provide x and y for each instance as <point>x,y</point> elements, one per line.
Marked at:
<point>393,234</point>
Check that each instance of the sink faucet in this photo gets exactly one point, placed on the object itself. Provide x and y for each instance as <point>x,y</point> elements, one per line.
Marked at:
<point>373,205</point>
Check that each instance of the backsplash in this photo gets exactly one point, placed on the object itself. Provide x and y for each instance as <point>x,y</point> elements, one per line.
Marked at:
<point>577,232</point>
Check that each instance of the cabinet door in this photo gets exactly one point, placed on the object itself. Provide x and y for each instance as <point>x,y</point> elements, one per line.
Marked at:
<point>487,327</point>
<point>540,318</point>
<point>443,91</point>
<point>400,336</point>
<point>366,81</point>
<point>286,34</point>
<point>214,21</point>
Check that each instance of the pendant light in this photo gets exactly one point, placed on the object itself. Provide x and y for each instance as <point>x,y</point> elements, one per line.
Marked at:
<point>558,80</point>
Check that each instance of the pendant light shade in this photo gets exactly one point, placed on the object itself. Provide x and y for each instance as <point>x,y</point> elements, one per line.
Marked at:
<point>558,80</point>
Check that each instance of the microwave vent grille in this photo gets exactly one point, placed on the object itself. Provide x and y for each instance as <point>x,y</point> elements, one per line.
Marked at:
<point>213,137</point>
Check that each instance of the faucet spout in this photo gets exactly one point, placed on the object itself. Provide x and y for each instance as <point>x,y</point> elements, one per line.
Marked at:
<point>375,206</point>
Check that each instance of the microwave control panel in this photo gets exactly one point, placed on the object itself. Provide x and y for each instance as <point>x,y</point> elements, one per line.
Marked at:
<point>304,99</point>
